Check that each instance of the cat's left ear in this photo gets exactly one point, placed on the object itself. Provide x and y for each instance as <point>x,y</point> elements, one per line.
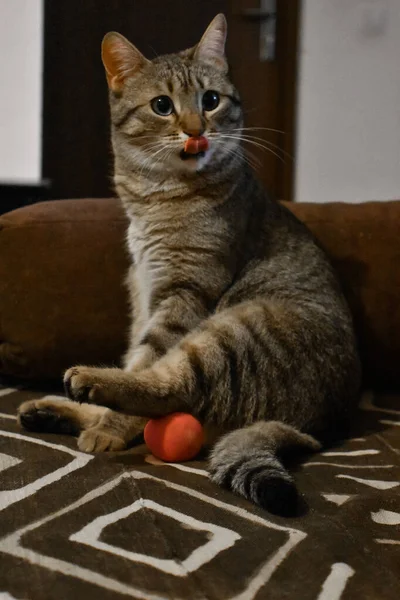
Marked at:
<point>211,48</point>
<point>121,60</point>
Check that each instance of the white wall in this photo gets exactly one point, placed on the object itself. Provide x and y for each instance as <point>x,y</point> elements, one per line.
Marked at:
<point>21,40</point>
<point>349,101</point>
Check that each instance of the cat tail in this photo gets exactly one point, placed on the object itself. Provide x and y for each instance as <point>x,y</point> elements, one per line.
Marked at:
<point>248,462</point>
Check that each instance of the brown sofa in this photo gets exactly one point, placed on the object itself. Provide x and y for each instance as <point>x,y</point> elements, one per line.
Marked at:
<point>119,525</point>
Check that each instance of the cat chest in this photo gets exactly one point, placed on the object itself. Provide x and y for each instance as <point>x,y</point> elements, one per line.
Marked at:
<point>152,268</point>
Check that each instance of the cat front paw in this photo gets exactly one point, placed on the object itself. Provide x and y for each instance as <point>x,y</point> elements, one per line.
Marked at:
<point>84,384</point>
<point>110,387</point>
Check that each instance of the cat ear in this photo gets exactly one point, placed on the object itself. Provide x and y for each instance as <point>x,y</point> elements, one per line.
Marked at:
<point>211,48</point>
<point>120,59</point>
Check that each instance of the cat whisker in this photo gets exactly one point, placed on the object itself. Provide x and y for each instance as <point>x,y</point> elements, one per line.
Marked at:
<point>251,141</point>
<point>148,148</point>
<point>272,144</point>
<point>253,157</point>
<point>154,162</point>
<point>251,160</point>
<point>250,137</point>
<point>259,128</point>
<point>134,138</point>
<point>258,142</point>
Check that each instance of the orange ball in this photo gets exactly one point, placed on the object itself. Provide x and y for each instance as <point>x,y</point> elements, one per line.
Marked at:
<point>174,438</point>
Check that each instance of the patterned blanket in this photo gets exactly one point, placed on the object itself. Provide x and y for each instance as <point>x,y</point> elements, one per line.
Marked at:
<point>123,525</point>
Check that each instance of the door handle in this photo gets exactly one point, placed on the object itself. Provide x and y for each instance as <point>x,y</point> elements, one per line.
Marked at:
<point>266,15</point>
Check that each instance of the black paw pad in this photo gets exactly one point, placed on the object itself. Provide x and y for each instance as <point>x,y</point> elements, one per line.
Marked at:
<point>47,421</point>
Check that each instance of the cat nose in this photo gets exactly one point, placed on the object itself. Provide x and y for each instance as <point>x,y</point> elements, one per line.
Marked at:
<point>194,132</point>
<point>192,125</point>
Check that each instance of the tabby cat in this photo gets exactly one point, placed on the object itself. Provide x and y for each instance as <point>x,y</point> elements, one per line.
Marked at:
<point>237,315</point>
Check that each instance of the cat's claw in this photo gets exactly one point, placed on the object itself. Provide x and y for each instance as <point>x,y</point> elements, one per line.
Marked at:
<point>81,385</point>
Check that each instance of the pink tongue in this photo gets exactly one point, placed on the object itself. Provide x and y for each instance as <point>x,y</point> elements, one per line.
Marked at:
<point>194,145</point>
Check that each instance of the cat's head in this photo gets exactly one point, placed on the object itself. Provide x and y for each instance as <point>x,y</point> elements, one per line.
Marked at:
<point>177,113</point>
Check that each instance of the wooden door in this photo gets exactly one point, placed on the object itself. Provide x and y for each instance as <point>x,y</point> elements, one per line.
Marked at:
<point>267,87</point>
<point>76,149</point>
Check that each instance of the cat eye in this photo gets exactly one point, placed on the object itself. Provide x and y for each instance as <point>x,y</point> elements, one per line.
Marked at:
<point>210,100</point>
<point>162,105</point>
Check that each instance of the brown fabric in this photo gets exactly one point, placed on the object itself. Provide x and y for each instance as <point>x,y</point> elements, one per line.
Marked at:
<point>62,537</point>
<point>363,242</point>
<point>62,300</point>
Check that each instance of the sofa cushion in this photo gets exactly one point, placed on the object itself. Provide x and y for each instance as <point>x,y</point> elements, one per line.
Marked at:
<point>62,298</point>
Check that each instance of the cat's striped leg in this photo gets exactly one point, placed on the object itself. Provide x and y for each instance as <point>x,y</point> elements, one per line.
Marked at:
<point>234,368</point>
<point>177,312</point>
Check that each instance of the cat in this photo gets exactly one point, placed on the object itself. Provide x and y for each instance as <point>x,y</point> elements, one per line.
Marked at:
<point>237,316</point>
